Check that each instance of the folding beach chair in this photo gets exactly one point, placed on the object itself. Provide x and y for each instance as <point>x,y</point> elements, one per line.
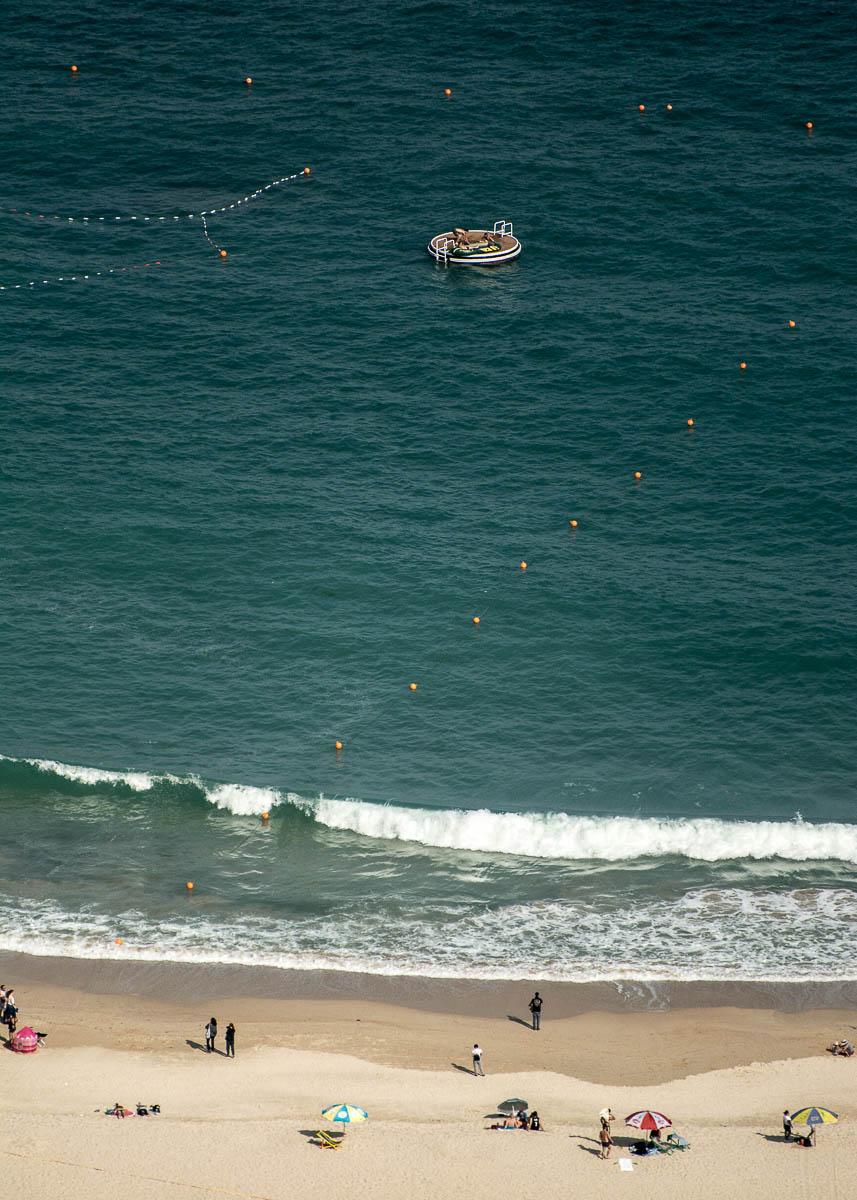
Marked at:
<point>328,1141</point>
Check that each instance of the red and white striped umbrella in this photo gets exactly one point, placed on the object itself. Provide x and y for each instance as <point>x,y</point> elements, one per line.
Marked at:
<point>646,1119</point>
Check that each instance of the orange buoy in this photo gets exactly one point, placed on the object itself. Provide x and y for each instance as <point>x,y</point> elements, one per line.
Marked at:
<point>809,125</point>
<point>523,566</point>
<point>412,686</point>
<point>743,365</point>
<point>337,745</point>
<point>248,79</point>
<point>73,69</point>
<point>641,108</point>
<point>638,474</point>
<point>476,620</point>
<point>690,422</point>
<point>669,108</point>
<point>447,91</point>
<point>222,253</point>
<point>573,523</point>
<point>119,942</point>
<point>189,886</point>
<point>791,324</point>
<point>306,170</point>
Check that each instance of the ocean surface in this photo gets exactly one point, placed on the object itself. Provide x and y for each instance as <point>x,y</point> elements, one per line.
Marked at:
<point>246,501</point>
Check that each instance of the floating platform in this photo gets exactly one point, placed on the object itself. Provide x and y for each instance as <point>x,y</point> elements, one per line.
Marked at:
<point>475,247</point>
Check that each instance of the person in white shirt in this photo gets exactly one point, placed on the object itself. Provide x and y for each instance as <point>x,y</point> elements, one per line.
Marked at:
<point>476,1052</point>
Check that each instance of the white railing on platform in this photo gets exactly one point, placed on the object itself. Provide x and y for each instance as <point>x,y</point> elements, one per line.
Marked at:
<point>503,228</point>
<point>442,246</point>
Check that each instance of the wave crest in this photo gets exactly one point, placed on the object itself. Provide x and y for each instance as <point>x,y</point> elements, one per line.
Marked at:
<point>559,836</point>
<point>606,839</point>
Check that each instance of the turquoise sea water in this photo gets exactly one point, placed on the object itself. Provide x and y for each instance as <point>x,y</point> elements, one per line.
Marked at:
<point>246,502</point>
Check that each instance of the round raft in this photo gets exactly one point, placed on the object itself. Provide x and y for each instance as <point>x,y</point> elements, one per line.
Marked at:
<point>475,247</point>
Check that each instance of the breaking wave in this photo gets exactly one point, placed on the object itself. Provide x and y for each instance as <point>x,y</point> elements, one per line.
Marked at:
<point>532,835</point>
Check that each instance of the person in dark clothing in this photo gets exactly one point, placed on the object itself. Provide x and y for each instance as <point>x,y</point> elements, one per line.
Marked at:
<point>210,1034</point>
<point>230,1040</point>
<point>536,1010</point>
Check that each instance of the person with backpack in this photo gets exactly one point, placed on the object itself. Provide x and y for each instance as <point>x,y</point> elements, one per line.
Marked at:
<point>476,1054</point>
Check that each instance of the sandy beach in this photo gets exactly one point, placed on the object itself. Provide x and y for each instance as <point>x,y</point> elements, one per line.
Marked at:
<point>243,1128</point>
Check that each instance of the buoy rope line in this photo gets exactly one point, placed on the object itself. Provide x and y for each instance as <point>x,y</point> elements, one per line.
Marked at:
<point>78,277</point>
<point>140,220</point>
<point>208,212</point>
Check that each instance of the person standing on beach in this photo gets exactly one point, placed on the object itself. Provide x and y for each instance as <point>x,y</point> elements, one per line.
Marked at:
<point>605,1139</point>
<point>230,1040</point>
<point>536,1010</point>
<point>210,1034</point>
<point>605,1117</point>
<point>476,1052</point>
<point>787,1125</point>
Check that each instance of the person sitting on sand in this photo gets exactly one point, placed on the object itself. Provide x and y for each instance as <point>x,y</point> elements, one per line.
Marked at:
<point>842,1047</point>
<point>535,1122</point>
<point>523,1123</point>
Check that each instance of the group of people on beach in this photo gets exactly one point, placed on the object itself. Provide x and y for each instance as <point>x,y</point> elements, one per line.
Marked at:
<point>8,1009</point>
<point>211,1038</point>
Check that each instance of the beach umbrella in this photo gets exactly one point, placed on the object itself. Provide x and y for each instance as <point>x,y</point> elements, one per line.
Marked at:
<point>513,1106</point>
<point>815,1116</point>
<point>647,1119</point>
<point>345,1114</point>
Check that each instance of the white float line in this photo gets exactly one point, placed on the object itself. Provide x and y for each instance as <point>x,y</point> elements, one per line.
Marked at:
<point>14,287</point>
<point>208,212</point>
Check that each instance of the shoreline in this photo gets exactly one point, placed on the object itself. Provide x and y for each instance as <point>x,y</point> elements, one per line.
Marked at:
<point>183,982</point>
<point>589,1032</point>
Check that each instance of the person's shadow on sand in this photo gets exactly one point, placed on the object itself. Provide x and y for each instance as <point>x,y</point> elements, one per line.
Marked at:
<point>199,1046</point>
<point>776,1137</point>
<point>519,1021</point>
<point>466,1070</point>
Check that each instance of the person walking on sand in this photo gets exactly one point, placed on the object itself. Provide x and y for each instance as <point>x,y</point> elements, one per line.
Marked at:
<point>605,1139</point>
<point>230,1040</point>
<point>210,1034</point>
<point>536,1010</point>
<point>787,1125</point>
<point>476,1053</point>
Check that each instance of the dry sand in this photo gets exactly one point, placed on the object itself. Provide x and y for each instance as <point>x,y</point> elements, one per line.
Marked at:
<point>241,1128</point>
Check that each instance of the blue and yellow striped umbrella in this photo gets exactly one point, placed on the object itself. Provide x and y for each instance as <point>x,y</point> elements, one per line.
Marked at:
<point>815,1116</point>
<point>346,1114</point>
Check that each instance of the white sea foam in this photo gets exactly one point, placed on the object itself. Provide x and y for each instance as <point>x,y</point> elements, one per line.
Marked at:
<point>609,839</point>
<point>533,835</point>
<point>139,781</point>
<point>711,934</point>
<point>241,799</point>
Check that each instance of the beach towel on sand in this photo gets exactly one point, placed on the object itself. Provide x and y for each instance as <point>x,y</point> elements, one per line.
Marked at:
<point>625,1164</point>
